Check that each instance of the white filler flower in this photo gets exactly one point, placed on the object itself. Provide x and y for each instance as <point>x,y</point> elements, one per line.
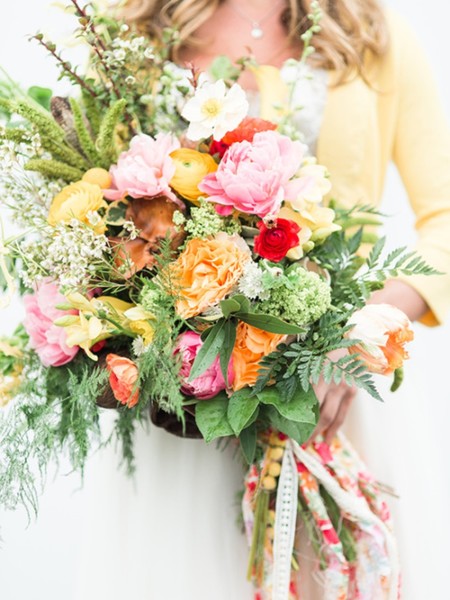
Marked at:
<point>214,110</point>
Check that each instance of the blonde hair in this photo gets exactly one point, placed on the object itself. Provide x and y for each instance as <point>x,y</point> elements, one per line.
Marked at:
<point>349,28</point>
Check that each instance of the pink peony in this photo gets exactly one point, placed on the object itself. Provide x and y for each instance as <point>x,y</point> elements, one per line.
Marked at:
<point>144,170</point>
<point>47,339</point>
<point>254,177</point>
<point>209,383</point>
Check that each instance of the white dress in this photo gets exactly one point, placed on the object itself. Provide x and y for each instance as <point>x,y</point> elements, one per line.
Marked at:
<point>172,533</point>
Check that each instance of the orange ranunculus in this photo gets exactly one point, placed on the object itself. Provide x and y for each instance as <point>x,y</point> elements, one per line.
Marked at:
<point>206,271</point>
<point>123,375</point>
<point>383,331</point>
<point>247,129</point>
<point>191,168</point>
<point>251,346</point>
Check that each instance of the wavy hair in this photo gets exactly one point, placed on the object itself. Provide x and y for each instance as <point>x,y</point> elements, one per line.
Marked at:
<point>349,28</point>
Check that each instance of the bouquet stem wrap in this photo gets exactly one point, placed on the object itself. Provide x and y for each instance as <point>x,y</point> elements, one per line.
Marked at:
<point>317,477</point>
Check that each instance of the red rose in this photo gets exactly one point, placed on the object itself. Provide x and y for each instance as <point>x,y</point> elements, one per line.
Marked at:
<point>276,239</point>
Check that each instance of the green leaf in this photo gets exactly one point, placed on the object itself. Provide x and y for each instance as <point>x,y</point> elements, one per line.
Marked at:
<point>211,418</point>
<point>248,443</point>
<point>242,406</point>
<point>229,307</point>
<point>300,432</point>
<point>301,409</point>
<point>243,301</point>
<point>210,349</point>
<point>223,68</point>
<point>269,323</point>
<point>41,95</point>
<point>227,347</point>
<point>115,214</point>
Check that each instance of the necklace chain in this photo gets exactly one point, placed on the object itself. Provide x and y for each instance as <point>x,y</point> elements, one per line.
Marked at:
<point>257,31</point>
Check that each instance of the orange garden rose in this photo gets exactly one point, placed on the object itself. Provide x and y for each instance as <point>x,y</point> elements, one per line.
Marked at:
<point>383,331</point>
<point>206,271</point>
<point>191,168</point>
<point>251,346</point>
<point>123,375</point>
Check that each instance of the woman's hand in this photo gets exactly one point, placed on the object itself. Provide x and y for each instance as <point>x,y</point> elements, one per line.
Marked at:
<point>335,401</point>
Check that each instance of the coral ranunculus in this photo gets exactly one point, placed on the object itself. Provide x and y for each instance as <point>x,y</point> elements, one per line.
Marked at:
<point>46,338</point>
<point>123,376</point>
<point>251,346</point>
<point>79,201</point>
<point>206,271</point>
<point>247,129</point>
<point>383,331</point>
<point>254,177</point>
<point>276,239</point>
<point>191,167</point>
<point>144,170</point>
<point>209,383</point>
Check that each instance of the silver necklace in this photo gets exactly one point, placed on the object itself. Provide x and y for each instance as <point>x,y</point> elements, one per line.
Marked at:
<point>257,31</point>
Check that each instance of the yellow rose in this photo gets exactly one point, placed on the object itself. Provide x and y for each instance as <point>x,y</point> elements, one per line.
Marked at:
<point>316,223</point>
<point>191,168</point>
<point>205,272</point>
<point>79,200</point>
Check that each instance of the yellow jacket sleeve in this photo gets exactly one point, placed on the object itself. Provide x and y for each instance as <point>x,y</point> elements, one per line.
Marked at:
<point>421,151</point>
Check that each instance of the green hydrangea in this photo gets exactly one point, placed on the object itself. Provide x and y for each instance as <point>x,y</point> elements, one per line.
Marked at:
<point>297,296</point>
<point>204,222</point>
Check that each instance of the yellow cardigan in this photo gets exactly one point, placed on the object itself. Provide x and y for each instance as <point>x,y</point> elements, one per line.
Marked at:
<point>397,117</point>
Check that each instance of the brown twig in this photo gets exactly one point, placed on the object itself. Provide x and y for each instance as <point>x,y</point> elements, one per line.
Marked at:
<point>65,65</point>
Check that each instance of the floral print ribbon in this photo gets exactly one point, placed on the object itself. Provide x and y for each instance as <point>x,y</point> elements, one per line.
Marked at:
<point>346,512</point>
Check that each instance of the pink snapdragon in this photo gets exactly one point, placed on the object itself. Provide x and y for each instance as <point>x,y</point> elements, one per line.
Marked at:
<point>46,338</point>
<point>255,177</point>
<point>145,170</point>
<point>209,383</point>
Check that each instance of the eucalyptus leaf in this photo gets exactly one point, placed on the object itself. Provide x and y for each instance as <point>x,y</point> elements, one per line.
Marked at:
<point>211,418</point>
<point>209,350</point>
<point>242,406</point>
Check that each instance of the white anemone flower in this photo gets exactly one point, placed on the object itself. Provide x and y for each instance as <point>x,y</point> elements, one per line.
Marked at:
<point>215,110</point>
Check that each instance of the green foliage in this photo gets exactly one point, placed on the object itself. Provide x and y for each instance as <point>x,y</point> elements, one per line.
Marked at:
<point>41,96</point>
<point>211,418</point>
<point>54,413</point>
<point>242,409</point>
<point>92,112</point>
<point>53,169</point>
<point>83,134</point>
<point>105,142</point>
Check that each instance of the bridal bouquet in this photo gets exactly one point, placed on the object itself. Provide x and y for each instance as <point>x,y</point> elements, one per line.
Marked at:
<point>177,259</point>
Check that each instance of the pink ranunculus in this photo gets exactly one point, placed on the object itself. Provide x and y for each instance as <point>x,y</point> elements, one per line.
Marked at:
<point>209,383</point>
<point>254,177</point>
<point>144,170</point>
<point>47,339</point>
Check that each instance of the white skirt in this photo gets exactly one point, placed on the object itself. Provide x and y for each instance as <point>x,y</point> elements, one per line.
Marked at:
<point>172,533</point>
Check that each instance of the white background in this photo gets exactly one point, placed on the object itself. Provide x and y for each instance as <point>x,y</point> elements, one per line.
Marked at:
<point>39,562</point>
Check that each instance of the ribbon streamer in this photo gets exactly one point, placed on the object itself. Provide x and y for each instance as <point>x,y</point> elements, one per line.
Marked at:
<point>355,508</point>
<point>285,525</point>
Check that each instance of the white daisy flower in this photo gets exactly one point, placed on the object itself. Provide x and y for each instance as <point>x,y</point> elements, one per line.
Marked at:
<point>215,110</point>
